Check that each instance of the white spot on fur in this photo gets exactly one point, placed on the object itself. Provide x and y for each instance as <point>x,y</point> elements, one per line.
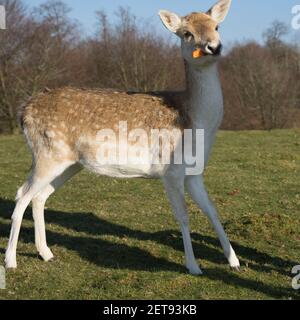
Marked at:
<point>50,134</point>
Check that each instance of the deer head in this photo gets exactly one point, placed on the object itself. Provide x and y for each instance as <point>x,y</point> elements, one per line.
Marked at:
<point>198,31</point>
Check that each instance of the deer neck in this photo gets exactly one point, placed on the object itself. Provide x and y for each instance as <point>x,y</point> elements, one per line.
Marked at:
<point>204,96</point>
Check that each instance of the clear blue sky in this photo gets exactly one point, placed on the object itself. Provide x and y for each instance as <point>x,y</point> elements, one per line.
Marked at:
<point>247,18</point>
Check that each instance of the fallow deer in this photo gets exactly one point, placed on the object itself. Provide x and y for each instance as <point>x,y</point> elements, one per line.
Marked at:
<point>61,128</point>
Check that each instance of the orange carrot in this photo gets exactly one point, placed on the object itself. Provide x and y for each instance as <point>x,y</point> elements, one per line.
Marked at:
<point>198,54</point>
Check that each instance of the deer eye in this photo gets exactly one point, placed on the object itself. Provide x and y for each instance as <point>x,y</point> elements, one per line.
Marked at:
<point>217,28</point>
<point>188,36</point>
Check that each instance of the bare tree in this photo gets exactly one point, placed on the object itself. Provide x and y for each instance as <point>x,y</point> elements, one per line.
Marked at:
<point>274,34</point>
<point>33,53</point>
<point>129,57</point>
<point>261,87</point>
<point>13,40</point>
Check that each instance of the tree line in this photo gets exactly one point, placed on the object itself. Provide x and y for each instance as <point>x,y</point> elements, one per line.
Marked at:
<point>44,47</point>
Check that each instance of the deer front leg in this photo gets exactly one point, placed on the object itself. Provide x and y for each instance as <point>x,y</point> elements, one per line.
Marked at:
<point>196,188</point>
<point>175,192</point>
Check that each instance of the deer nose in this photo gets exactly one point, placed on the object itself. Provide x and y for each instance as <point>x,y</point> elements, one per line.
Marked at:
<point>215,50</point>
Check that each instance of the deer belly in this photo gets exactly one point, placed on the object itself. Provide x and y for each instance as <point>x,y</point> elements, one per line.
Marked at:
<point>120,161</point>
<point>126,171</point>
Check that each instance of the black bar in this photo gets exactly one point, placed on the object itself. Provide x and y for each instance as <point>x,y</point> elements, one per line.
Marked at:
<point>145,309</point>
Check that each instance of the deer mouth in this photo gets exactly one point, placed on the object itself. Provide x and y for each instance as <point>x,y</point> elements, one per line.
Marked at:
<point>208,51</point>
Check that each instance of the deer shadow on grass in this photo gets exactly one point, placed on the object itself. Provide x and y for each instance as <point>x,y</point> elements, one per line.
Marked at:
<point>109,254</point>
<point>100,252</point>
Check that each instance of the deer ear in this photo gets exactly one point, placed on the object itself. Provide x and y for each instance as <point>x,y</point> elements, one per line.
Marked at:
<point>170,20</point>
<point>220,10</point>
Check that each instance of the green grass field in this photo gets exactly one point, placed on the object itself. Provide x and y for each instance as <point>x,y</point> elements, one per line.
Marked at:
<point>117,239</point>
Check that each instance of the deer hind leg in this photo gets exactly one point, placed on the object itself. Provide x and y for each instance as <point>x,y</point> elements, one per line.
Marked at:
<point>41,176</point>
<point>38,206</point>
<point>175,192</point>
<point>196,189</point>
